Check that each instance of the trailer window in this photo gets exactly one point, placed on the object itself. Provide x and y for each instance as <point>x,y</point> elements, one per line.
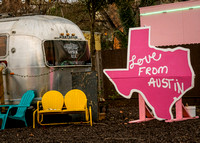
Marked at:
<point>61,53</point>
<point>3,41</point>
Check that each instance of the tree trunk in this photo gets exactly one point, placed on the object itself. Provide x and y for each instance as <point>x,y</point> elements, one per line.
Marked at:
<point>92,39</point>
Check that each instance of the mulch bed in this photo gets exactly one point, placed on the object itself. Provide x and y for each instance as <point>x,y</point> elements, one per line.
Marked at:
<point>115,128</point>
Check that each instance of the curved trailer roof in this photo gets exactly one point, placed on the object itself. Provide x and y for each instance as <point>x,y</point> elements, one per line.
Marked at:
<point>40,26</point>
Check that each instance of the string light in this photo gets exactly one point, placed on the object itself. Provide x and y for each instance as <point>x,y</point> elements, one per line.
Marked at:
<point>30,76</point>
<point>171,10</point>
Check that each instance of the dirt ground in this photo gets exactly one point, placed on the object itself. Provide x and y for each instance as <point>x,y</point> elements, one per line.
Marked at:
<point>115,128</point>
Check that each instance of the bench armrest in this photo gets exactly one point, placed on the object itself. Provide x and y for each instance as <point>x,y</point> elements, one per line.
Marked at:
<point>38,105</point>
<point>11,106</point>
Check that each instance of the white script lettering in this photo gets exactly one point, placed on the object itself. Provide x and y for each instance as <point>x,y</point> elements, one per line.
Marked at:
<point>167,83</point>
<point>153,70</point>
<point>146,59</point>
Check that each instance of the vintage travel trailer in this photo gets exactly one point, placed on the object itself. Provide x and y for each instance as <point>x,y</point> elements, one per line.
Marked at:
<point>40,53</point>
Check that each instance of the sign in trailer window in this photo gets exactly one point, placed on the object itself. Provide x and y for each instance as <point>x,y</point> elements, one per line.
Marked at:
<point>63,53</point>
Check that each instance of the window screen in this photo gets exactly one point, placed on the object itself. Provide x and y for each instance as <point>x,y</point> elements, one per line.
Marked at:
<point>3,42</point>
<point>63,53</point>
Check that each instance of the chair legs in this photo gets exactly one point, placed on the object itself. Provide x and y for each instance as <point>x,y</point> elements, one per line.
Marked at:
<point>3,124</point>
<point>90,110</point>
<point>3,118</point>
<point>34,118</point>
<point>25,122</point>
<point>86,115</point>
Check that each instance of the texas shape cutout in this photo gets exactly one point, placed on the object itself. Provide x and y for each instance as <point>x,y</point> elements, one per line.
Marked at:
<point>161,76</point>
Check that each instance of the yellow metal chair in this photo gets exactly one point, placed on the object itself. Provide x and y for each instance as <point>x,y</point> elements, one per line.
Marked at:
<point>52,102</point>
<point>76,101</point>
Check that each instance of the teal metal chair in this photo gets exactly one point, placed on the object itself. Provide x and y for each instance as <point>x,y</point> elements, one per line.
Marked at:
<point>21,109</point>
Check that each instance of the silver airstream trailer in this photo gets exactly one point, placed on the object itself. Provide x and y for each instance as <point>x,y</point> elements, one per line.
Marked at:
<point>40,53</point>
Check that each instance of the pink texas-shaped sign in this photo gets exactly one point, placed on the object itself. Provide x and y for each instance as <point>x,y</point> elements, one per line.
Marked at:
<point>161,76</point>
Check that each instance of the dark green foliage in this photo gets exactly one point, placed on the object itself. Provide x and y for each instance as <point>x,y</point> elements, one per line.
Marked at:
<point>130,16</point>
<point>127,17</point>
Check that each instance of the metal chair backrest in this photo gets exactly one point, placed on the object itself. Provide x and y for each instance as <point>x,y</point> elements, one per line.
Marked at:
<point>75,99</point>
<point>52,100</point>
